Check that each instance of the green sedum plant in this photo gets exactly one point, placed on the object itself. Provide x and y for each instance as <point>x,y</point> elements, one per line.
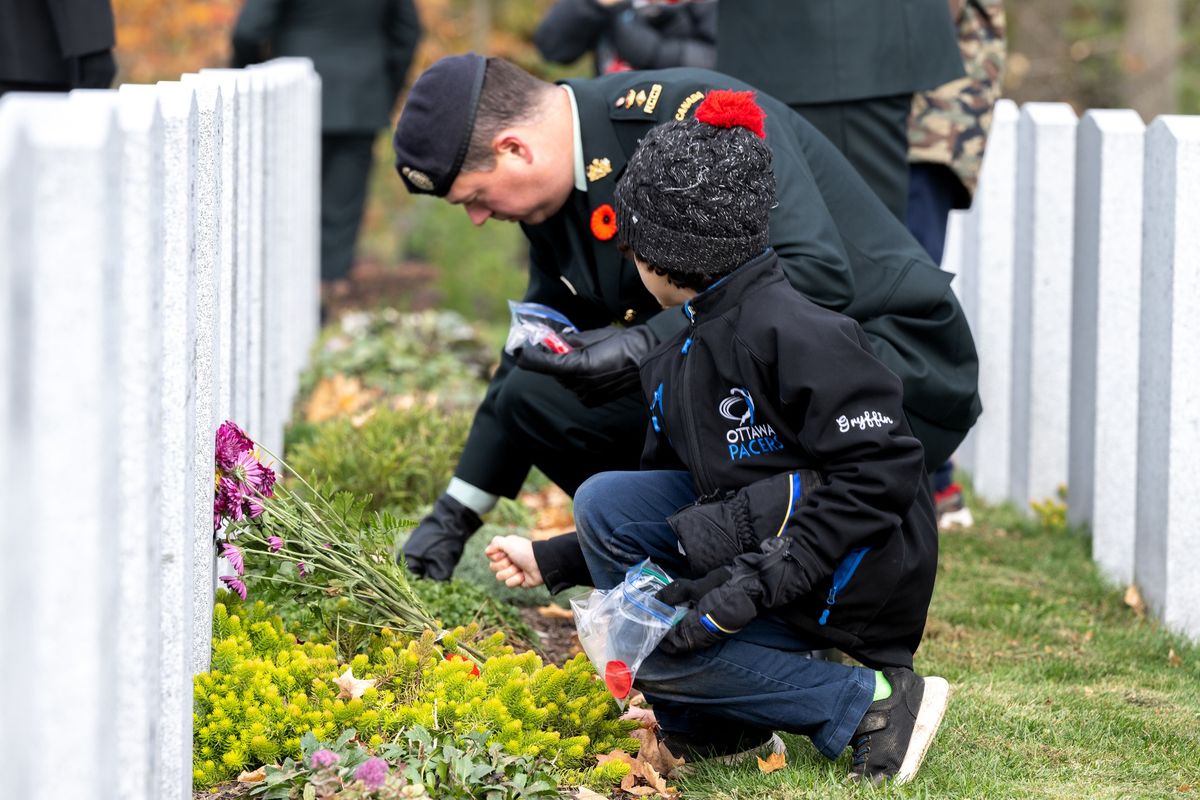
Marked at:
<point>265,691</point>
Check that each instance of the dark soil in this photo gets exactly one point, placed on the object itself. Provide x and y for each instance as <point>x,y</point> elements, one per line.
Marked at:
<point>559,643</point>
<point>408,285</point>
<point>223,791</point>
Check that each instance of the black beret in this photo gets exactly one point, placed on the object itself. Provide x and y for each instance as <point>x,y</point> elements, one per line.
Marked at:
<point>434,130</point>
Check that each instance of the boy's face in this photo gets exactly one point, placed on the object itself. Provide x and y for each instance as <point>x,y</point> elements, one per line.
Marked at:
<point>666,293</point>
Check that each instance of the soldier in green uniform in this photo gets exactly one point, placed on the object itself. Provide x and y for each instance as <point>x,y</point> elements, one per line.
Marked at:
<point>362,50</point>
<point>486,135</point>
<point>850,67</point>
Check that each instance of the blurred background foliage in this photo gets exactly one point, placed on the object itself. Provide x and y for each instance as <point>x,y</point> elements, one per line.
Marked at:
<point>1143,54</point>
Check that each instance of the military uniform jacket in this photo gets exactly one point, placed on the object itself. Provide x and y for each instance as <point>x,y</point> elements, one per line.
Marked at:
<point>762,383</point>
<point>824,51</point>
<point>361,49</point>
<point>836,242</point>
<point>38,37</point>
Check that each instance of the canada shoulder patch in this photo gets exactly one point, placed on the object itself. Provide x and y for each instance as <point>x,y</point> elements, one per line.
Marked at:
<point>688,104</point>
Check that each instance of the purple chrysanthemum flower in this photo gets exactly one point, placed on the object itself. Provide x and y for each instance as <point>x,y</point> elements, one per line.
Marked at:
<point>234,556</point>
<point>247,471</point>
<point>373,772</point>
<point>303,570</point>
<point>274,543</point>
<point>231,443</point>
<point>324,758</point>
<point>229,499</point>
<point>235,585</point>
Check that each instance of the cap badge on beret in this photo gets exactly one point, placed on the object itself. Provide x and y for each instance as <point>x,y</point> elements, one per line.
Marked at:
<point>417,178</point>
<point>599,168</point>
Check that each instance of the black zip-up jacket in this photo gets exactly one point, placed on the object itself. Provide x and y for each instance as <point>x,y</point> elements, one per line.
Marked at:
<point>764,383</point>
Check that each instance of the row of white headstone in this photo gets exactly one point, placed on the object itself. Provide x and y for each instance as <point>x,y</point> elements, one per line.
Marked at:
<point>158,274</point>
<point>1079,269</point>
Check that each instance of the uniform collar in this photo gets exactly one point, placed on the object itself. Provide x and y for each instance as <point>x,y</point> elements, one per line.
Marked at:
<point>728,292</point>
<point>580,174</point>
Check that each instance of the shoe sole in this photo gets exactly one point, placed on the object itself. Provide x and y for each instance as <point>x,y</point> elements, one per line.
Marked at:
<point>929,719</point>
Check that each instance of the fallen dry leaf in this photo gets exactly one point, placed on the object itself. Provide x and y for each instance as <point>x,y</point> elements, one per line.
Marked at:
<point>338,396</point>
<point>653,753</point>
<point>1133,599</point>
<point>257,776</point>
<point>773,762</point>
<point>351,687</point>
<point>657,782</point>
<point>617,754</point>
<point>584,793</point>
<point>552,512</point>
<point>1184,788</point>
<point>555,612</point>
<point>1173,658</point>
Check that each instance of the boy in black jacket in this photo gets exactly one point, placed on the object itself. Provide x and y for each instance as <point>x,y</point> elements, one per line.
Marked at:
<point>803,519</point>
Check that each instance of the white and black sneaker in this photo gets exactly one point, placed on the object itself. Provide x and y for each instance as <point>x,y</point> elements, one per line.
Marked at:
<point>895,733</point>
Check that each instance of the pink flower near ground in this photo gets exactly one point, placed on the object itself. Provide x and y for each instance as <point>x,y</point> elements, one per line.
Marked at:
<point>231,443</point>
<point>303,570</point>
<point>235,585</point>
<point>373,773</point>
<point>324,758</point>
<point>234,556</point>
<point>274,543</point>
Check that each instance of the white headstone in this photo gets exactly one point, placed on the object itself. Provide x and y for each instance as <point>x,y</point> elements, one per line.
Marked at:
<point>68,505</point>
<point>988,290</point>
<point>1167,559</point>
<point>207,198</point>
<point>1102,470</point>
<point>1041,363</point>
<point>17,581</point>
<point>256,226</point>
<point>180,118</point>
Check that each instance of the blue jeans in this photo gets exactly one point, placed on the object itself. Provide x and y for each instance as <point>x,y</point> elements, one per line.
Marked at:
<point>759,680</point>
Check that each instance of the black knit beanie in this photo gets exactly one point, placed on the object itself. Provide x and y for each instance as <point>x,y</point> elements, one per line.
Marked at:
<point>696,195</point>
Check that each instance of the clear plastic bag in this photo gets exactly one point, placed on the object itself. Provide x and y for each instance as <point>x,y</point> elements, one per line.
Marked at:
<point>534,324</point>
<point>619,627</point>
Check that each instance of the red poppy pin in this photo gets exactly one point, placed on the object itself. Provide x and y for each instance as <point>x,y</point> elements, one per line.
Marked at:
<point>604,222</point>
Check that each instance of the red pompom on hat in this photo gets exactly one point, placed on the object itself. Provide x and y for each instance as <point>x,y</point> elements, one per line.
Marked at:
<point>724,108</point>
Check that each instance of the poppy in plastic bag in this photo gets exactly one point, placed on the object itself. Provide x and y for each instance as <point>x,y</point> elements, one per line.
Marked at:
<point>619,627</point>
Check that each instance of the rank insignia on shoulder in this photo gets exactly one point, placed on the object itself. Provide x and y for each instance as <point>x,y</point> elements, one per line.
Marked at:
<point>652,98</point>
<point>686,105</point>
<point>599,168</point>
<point>640,97</point>
<point>629,98</point>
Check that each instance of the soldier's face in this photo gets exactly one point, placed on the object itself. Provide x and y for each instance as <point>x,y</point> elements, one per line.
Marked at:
<point>516,190</point>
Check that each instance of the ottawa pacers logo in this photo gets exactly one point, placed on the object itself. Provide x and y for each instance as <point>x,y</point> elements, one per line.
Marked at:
<point>747,439</point>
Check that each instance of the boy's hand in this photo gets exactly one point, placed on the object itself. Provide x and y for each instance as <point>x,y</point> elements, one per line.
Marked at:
<point>511,558</point>
<point>602,367</point>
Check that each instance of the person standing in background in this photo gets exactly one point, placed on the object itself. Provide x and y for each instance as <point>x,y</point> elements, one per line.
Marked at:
<point>625,35</point>
<point>849,67</point>
<point>947,133</point>
<point>362,50</point>
<point>56,46</point>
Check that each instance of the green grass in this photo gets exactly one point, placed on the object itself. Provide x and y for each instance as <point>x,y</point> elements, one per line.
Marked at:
<point>1059,690</point>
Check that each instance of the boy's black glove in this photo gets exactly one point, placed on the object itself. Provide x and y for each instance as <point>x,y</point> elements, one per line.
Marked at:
<point>720,609</point>
<point>713,534</point>
<point>434,548</point>
<point>602,367</point>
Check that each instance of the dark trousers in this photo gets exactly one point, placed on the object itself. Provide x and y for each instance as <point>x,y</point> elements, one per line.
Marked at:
<point>933,190</point>
<point>532,420</point>
<point>873,136</point>
<point>761,679</point>
<point>346,160</point>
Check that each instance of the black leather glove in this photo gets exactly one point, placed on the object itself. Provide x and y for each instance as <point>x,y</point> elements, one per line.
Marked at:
<point>96,70</point>
<point>434,548</point>
<point>602,367</point>
<point>713,534</point>
<point>720,609</point>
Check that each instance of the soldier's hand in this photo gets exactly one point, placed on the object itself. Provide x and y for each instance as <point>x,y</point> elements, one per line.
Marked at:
<point>434,548</point>
<point>602,367</point>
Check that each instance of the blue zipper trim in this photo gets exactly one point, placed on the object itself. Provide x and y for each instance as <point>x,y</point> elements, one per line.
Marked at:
<point>687,346</point>
<point>657,401</point>
<point>842,576</point>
